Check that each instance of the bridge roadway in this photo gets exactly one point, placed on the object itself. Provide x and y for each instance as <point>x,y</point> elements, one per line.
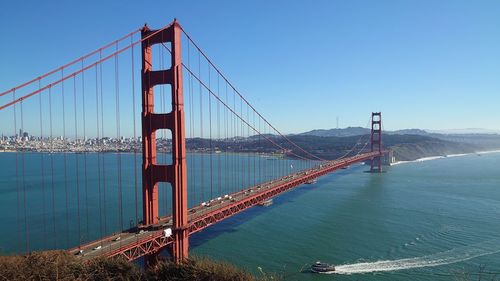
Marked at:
<point>133,244</point>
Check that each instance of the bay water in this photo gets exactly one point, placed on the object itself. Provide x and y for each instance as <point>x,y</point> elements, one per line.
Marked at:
<point>429,220</point>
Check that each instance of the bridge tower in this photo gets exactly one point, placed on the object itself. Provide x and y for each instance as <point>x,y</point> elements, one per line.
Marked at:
<point>153,173</point>
<point>376,141</point>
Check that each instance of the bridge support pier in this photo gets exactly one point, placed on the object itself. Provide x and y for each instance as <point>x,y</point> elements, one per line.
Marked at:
<point>176,173</point>
<point>376,142</point>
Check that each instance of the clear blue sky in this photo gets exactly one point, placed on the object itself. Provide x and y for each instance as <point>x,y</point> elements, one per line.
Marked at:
<point>426,64</point>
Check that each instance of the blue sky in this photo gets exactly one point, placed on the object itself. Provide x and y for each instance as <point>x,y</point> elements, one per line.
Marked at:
<point>424,64</point>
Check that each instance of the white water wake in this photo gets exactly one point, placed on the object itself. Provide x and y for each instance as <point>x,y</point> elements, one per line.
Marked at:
<point>443,258</point>
<point>417,160</point>
<point>441,157</point>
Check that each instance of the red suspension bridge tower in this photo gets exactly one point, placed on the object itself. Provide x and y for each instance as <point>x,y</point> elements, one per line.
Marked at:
<point>376,142</point>
<point>176,173</point>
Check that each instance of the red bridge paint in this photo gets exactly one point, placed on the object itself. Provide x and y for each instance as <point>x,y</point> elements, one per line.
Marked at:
<point>153,173</point>
<point>154,241</point>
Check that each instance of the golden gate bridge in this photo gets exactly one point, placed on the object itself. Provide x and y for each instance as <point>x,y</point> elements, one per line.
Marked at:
<point>84,123</point>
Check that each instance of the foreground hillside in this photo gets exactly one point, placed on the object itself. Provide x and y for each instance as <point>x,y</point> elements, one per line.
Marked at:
<point>59,265</point>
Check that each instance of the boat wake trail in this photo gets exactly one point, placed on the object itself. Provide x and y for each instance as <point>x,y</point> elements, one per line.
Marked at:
<point>443,258</point>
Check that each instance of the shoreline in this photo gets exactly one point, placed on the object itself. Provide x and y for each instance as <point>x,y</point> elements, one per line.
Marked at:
<point>429,158</point>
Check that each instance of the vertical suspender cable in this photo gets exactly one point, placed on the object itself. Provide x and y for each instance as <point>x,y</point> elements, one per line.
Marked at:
<point>99,142</point>
<point>26,226</point>
<point>266,163</point>
<point>135,132</point>
<point>237,158</point>
<point>275,166</point>
<point>242,163</point>
<point>65,161</point>
<point>76,166</point>
<point>218,140</point>
<point>226,143</point>
<point>55,236</point>
<point>85,157</point>
<point>233,144</point>
<point>235,139</point>
<point>202,184</point>
<point>18,211</point>
<point>260,148</point>
<point>119,140</point>
<point>254,155</point>
<point>248,141</point>
<point>102,154</point>
<point>42,169</point>
<point>210,134</point>
<point>191,172</point>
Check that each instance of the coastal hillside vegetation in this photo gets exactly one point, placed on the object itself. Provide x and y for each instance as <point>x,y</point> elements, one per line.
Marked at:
<point>405,147</point>
<point>60,265</point>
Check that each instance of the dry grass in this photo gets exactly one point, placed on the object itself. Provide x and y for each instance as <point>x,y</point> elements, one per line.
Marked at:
<point>202,269</point>
<point>59,265</point>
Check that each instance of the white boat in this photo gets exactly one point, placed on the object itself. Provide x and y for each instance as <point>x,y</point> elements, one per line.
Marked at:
<point>321,267</point>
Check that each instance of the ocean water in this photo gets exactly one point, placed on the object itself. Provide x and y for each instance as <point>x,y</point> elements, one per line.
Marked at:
<point>61,200</point>
<point>430,220</point>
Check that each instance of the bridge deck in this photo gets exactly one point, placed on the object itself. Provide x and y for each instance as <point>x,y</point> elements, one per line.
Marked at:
<point>132,244</point>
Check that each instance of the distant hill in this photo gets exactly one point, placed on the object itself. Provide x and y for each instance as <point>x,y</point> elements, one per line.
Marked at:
<point>341,132</point>
<point>357,131</point>
<point>419,132</point>
<point>488,139</point>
